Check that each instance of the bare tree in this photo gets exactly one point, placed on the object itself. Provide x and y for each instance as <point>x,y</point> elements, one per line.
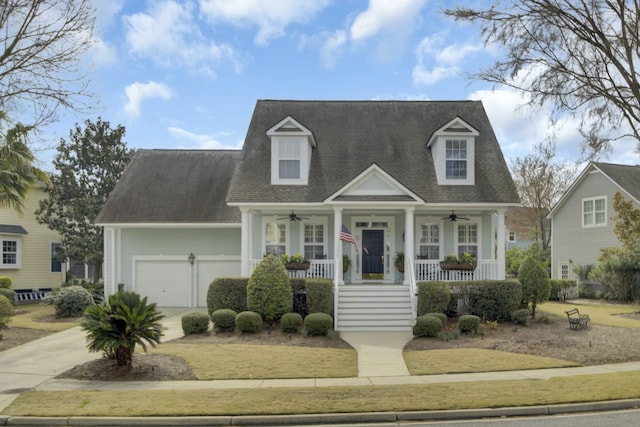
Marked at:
<point>579,56</point>
<point>41,44</point>
<point>541,181</point>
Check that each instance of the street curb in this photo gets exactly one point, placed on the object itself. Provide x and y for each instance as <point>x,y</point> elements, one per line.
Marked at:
<point>379,418</point>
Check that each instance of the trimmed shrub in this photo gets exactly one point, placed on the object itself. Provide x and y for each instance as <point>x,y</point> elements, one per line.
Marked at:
<point>224,320</point>
<point>468,323</point>
<point>6,311</point>
<point>10,294</point>
<point>229,293</point>
<point>318,324</point>
<point>319,296</point>
<point>269,292</point>
<point>248,321</point>
<point>536,285</point>
<point>561,290</point>
<point>5,282</point>
<point>291,322</point>
<point>427,326</point>
<point>195,323</point>
<point>69,301</point>
<point>493,300</point>
<point>521,316</point>
<point>441,316</point>
<point>433,297</point>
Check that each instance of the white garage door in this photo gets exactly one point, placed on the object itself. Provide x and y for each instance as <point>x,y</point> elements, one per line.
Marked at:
<point>208,270</point>
<point>165,282</point>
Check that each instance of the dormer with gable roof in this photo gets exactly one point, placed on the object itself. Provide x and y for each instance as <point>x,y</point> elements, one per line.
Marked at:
<point>453,150</point>
<point>291,147</point>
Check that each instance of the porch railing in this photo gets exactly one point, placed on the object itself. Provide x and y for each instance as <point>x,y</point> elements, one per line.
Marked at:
<point>318,269</point>
<point>429,270</point>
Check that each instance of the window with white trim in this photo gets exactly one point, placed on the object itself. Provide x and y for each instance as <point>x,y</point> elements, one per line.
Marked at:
<point>564,271</point>
<point>512,236</point>
<point>468,239</point>
<point>429,241</point>
<point>289,150</point>
<point>314,241</point>
<point>290,157</point>
<point>456,159</point>
<point>56,264</point>
<point>275,238</point>
<point>594,211</point>
<point>10,252</point>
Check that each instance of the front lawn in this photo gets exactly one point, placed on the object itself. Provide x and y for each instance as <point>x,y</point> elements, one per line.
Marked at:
<point>42,317</point>
<point>600,314</point>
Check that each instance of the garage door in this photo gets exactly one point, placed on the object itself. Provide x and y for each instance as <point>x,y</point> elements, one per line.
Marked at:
<point>165,282</point>
<point>208,270</point>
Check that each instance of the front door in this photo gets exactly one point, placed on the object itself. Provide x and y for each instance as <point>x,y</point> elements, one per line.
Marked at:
<point>372,254</point>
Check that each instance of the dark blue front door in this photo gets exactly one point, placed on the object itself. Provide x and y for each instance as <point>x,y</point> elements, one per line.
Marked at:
<point>372,252</point>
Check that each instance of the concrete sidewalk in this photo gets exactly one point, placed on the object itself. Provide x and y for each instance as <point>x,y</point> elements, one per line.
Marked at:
<point>34,366</point>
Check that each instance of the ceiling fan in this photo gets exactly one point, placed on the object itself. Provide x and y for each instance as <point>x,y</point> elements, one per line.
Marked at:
<point>454,217</point>
<point>293,217</point>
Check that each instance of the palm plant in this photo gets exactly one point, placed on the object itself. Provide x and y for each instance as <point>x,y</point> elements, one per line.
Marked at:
<point>118,324</point>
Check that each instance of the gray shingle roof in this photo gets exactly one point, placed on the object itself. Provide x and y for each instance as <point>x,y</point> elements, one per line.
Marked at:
<point>626,176</point>
<point>186,186</point>
<point>12,229</point>
<point>352,135</point>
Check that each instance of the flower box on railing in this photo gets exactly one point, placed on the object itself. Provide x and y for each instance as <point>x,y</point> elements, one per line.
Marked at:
<point>464,266</point>
<point>297,265</point>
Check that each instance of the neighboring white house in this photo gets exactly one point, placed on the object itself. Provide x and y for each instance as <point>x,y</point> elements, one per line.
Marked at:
<point>28,248</point>
<point>582,220</point>
<point>422,178</point>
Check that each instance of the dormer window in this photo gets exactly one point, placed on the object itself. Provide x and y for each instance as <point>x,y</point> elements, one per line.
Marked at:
<point>456,163</point>
<point>453,151</point>
<point>291,148</point>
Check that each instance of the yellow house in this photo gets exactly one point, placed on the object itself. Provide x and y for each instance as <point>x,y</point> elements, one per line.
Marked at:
<point>28,247</point>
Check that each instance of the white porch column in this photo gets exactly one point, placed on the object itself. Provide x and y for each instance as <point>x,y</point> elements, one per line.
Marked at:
<point>245,233</point>
<point>408,241</point>
<point>337,244</point>
<point>501,245</point>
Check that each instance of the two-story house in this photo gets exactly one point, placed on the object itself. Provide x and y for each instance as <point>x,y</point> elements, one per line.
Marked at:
<point>424,179</point>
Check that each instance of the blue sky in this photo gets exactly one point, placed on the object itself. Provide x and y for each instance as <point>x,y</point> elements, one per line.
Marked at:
<point>187,74</point>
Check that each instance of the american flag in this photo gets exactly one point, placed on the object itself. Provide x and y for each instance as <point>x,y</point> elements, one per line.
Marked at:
<point>345,235</point>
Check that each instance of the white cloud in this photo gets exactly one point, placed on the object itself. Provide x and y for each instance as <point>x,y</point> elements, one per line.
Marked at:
<point>332,48</point>
<point>168,33</point>
<point>202,141</point>
<point>102,53</point>
<point>385,16</point>
<point>271,17</point>
<point>138,92</point>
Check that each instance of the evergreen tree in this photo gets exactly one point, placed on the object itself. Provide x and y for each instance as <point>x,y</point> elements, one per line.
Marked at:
<point>88,166</point>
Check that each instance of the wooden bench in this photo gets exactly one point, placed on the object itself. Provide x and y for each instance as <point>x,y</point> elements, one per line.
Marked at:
<point>577,320</point>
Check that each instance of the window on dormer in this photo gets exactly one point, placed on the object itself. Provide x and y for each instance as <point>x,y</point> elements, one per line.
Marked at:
<point>289,151</point>
<point>456,159</point>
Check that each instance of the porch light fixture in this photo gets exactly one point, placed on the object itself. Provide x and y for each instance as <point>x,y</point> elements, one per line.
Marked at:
<point>191,258</point>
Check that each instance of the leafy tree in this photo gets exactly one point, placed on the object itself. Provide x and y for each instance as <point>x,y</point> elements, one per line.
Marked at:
<point>42,45</point>
<point>581,57</point>
<point>117,325</point>
<point>619,265</point>
<point>88,167</point>
<point>541,180</point>
<point>18,175</point>
<point>536,285</point>
<point>513,258</point>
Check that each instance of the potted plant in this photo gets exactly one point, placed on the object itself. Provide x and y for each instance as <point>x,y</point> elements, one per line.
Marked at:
<point>295,262</point>
<point>398,261</point>
<point>346,263</point>
<point>452,262</point>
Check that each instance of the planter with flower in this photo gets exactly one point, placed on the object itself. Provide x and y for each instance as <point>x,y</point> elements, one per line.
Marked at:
<point>466,262</point>
<point>295,262</point>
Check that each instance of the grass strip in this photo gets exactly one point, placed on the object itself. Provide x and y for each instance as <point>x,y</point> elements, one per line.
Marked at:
<point>276,401</point>
<point>463,360</point>
<point>30,313</point>
<point>600,314</point>
<point>246,361</point>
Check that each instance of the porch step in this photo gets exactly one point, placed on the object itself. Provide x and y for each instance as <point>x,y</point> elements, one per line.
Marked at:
<point>374,308</point>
